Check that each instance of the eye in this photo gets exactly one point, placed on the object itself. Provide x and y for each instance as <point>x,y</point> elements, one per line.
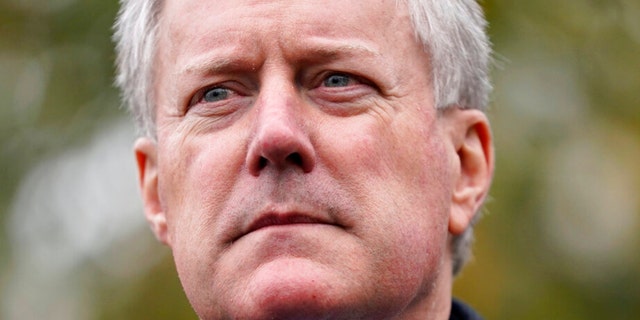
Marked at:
<point>338,80</point>
<point>216,94</point>
<point>342,93</point>
<point>218,98</point>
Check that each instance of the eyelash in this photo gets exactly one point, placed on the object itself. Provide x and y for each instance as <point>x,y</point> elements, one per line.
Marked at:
<point>211,90</point>
<point>349,78</point>
<point>355,81</point>
<point>352,82</point>
<point>200,95</point>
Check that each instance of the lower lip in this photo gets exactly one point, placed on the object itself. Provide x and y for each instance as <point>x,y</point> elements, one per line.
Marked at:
<point>296,239</point>
<point>283,230</point>
<point>289,226</point>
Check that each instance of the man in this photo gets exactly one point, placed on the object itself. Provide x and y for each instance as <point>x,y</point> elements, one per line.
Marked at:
<point>310,159</point>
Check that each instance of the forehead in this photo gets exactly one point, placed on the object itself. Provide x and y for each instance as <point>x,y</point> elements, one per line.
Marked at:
<point>193,20</point>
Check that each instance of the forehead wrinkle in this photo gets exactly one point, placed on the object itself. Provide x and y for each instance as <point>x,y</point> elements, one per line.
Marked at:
<point>218,52</point>
<point>214,63</point>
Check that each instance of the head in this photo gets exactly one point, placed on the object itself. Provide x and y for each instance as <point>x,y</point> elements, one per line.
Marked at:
<point>328,156</point>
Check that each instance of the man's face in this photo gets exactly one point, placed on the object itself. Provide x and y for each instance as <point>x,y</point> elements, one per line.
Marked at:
<point>300,162</point>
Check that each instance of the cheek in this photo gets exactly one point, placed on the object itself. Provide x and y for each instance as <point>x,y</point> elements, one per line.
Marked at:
<point>401,182</point>
<point>195,178</point>
<point>394,155</point>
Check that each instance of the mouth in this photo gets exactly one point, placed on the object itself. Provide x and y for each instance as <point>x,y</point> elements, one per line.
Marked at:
<point>275,219</point>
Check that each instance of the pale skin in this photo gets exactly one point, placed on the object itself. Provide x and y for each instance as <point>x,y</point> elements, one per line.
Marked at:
<point>300,168</point>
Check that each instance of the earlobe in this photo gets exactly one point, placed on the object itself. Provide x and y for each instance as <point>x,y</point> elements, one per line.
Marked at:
<point>146,158</point>
<point>474,148</point>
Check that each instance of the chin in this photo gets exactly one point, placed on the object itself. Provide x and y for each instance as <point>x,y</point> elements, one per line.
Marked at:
<point>295,288</point>
<point>290,288</point>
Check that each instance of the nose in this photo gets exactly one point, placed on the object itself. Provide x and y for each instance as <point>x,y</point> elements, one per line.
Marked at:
<point>280,140</point>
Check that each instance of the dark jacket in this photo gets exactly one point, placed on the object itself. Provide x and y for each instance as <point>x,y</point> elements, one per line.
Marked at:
<point>461,311</point>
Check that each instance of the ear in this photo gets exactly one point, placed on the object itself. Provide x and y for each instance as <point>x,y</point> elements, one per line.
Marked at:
<point>470,132</point>
<point>146,157</point>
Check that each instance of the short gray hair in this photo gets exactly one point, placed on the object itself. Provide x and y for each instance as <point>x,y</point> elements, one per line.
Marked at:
<point>135,36</point>
<point>452,32</point>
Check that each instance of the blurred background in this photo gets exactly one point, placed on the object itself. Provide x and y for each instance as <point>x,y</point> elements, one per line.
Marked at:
<point>560,236</point>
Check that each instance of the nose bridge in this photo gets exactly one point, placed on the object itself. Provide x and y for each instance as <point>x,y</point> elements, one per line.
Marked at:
<point>278,112</point>
<point>277,109</point>
<point>280,137</point>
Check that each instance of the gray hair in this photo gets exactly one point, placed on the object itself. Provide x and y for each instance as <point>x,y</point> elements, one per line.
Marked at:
<point>452,32</point>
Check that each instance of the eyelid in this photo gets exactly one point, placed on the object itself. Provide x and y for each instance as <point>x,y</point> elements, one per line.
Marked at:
<point>346,100</point>
<point>204,93</point>
<point>357,78</point>
<point>350,79</point>
<point>234,89</point>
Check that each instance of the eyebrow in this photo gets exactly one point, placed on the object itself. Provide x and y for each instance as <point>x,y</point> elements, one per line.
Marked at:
<point>350,49</point>
<point>209,63</point>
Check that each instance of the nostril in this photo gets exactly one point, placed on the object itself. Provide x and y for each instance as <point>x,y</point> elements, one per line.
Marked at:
<point>262,163</point>
<point>296,159</point>
<point>280,149</point>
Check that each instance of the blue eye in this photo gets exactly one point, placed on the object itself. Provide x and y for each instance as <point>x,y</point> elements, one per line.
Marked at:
<point>337,80</point>
<point>216,94</point>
